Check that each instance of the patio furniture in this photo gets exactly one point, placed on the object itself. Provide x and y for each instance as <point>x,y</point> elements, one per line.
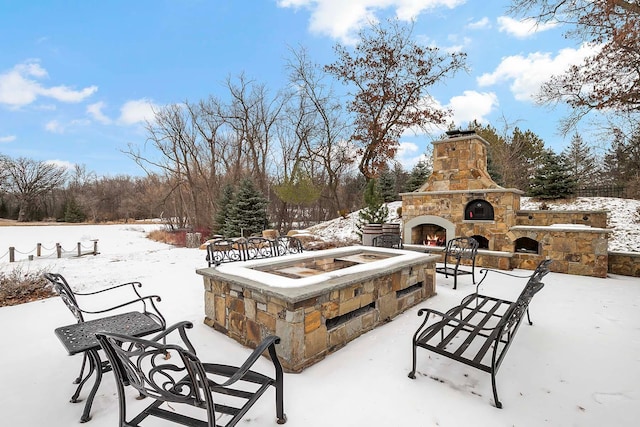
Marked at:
<point>457,251</point>
<point>479,331</point>
<point>230,250</point>
<point>80,338</point>
<point>145,305</point>
<point>393,241</point>
<point>172,373</point>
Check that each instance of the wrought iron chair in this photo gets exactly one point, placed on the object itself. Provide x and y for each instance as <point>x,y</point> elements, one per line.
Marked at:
<point>172,373</point>
<point>457,250</point>
<point>288,245</point>
<point>393,241</point>
<point>145,304</point>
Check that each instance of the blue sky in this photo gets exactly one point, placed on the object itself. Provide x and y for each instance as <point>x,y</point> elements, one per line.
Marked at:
<point>78,78</point>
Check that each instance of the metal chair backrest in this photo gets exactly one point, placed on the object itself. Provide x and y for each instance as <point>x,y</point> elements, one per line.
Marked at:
<point>65,292</point>
<point>462,248</point>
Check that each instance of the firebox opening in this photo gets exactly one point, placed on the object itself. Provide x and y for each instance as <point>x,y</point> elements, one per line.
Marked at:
<point>477,210</point>
<point>525,245</point>
<point>429,235</point>
<point>483,242</point>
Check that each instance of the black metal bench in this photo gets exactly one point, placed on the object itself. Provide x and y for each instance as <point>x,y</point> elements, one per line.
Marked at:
<point>388,240</point>
<point>457,250</point>
<point>480,330</point>
<point>226,250</point>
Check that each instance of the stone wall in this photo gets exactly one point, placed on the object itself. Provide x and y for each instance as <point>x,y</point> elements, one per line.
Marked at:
<point>624,263</point>
<point>596,219</point>
<point>314,327</point>
<point>582,251</point>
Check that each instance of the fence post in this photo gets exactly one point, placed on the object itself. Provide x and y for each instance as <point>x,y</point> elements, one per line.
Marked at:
<point>39,249</point>
<point>59,250</point>
<point>12,254</point>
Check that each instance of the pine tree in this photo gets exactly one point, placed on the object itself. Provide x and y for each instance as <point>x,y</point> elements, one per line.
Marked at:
<point>248,214</point>
<point>221,220</point>
<point>581,161</point>
<point>387,186</point>
<point>419,175</point>
<point>552,180</point>
<point>375,211</point>
<point>73,212</point>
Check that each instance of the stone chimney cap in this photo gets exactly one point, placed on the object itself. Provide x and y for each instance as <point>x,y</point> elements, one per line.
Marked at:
<point>458,132</point>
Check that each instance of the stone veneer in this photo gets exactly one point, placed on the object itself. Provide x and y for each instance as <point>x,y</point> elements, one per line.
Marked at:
<point>624,263</point>
<point>305,317</point>
<point>579,250</point>
<point>460,176</point>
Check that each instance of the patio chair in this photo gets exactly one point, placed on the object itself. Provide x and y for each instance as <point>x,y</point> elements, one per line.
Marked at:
<point>456,251</point>
<point>388,240</point>
<point>173,374</point>
<point>145,304</point>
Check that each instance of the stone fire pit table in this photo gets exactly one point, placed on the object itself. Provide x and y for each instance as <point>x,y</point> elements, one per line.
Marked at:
<point>316,302</point>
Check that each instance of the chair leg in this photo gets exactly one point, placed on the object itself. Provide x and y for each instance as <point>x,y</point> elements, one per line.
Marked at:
<point>412,374</point>
<point>280,415</point>
<point>92,367</point>
<point>529,317</point>
<point>84,362</point>
<point>495,391</point>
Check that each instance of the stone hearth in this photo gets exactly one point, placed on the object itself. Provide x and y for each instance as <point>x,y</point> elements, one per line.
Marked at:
<point>461,199</point>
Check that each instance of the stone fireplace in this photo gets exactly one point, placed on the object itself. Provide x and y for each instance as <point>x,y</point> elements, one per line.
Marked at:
<point>461,199</point>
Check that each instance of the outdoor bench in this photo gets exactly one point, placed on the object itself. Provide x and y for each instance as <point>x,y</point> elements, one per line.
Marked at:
<point>479,331</point>
<point>228,250</point>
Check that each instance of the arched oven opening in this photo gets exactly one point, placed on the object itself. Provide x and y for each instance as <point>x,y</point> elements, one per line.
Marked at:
<point>525,245</point>
<point>478,210</point>
<point>429,235</point>
<point>483,242</point>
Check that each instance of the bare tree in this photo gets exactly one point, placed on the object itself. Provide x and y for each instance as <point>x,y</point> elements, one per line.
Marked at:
<point>390,76</point>
<point>610,78</point>
<point>29,180</point>
<point>321,126</point>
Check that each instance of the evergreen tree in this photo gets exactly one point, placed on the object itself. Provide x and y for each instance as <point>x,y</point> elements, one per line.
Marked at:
<point>248,213</point>
<point>73,212</point>
<point>580,161</point>
<point>375,211</point>
<point>552,180</point>
<point>419,175</point>
<point>387,186</point>
<point>221,221</point>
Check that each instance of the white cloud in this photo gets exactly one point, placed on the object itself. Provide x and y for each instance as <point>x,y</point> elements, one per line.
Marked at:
<point>527,73</point>
<point>54,126</point>
<point>7,138</point>
<point>472,105</point>
<point>95,111</point>
<point>340,19</point>
<point>523,28</point>
<point>409,154</point>
<point>481,24</point>
<point>137,111</point>
<point>62,163</point>
<point>20,86</point>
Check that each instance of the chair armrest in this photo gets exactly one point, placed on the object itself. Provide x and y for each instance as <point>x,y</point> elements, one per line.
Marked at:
<point>132,284</point>
<point>143,300</point>
<point>180,327</point>
<point>447,317</point>
<point>269,341</point>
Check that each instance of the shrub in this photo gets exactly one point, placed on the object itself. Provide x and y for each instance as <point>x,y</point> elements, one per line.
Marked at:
<point>17,287</point>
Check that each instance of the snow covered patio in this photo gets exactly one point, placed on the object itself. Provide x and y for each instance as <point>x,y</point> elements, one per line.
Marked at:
<point>577,365</point>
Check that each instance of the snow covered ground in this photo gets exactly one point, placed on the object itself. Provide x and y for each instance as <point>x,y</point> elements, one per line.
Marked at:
<point>578,365</point>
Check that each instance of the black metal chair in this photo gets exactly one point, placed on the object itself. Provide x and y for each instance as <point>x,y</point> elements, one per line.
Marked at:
<point>388,240</point>
<point>172,373</point>
<point>457,250</point>
<point>145,304</point>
